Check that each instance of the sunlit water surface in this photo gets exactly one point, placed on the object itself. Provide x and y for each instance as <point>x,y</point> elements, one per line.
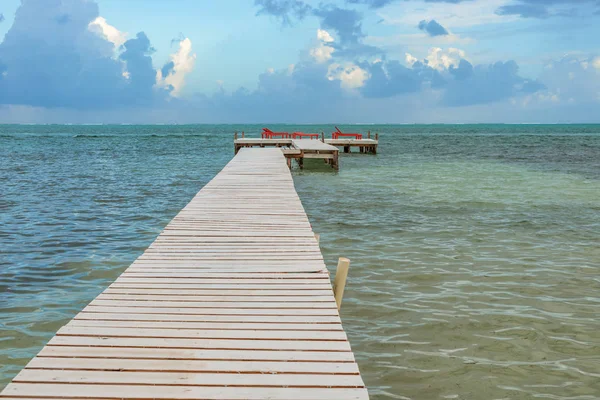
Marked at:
<point>475,249</point>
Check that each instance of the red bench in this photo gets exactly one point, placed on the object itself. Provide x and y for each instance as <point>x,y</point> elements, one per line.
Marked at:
<point>269,134</point>
<point>338,133</point>
<point>300,135</point>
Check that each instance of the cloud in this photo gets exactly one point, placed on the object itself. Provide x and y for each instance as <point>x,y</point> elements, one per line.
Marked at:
<point>64,54</point>
<point>521,8</point>
<point>484,84</point>
<point>458,15</point>
<point>574,77</point>
<point>52,59</point>
<point>324,36</point>
<point>372,3</point>
<point>351,76</point>
<point>525,10</point>
<point>141,74</point>
<point>284,10</point>
<point>346,23</point>
<point>107,31</point>
<point>388,79</point>
<point>442,60</point>
<point>447,72</point>
<point>461,72</point>
<point>433,28</point>
<point>173,73</point>
<point>545,8</point>
<point>323,51</point>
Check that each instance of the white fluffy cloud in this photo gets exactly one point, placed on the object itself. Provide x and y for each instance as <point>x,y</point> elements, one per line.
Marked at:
<point>173,73</point>
<point>351,76</point>
<point>438,58</point>
<point>324,36</point>
<point>442,60</point>
<point>322,53</point>
<point>410,59</point>
<point>101,27</point>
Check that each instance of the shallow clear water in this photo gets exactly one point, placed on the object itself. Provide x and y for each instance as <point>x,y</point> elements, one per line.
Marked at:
<point>475,248</point>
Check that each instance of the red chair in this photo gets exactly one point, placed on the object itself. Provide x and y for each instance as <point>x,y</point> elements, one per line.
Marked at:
<point>269,134</point>
<point>300,135</point>
<point>338,133</point>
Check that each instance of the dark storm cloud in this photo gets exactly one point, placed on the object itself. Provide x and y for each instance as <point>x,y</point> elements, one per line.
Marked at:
<point>51,58</point>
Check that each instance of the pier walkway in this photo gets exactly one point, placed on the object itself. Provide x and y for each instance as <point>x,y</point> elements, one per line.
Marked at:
<point>232,301</point>
<point>297,149</point>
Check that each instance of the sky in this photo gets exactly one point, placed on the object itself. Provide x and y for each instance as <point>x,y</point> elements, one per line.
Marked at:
<point>300,61</point>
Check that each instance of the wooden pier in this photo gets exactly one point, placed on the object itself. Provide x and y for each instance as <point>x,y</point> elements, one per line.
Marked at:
<point>364,145</point>
<point>295,149</point>
<point>232,301</point>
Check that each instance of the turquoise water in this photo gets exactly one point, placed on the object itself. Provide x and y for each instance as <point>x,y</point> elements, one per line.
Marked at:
<point>475,248</point>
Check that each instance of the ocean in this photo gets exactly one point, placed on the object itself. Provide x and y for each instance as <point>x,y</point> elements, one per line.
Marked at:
<point>475,249</point>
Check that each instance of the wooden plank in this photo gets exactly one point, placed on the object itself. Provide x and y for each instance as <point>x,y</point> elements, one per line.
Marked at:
<point>213,311</point>
<point>219,299</point>
<point>229,292</point>
<point>206,304</point>
<point>240,280</point>
<point>221,286</point>
<point>140,353</point>
<point>182,343</point>
<point>199,334</point>
<point>112,314</point>
<point>196,365</point>
<point>87,392</point>
<point>188,379</point>
<point>206,326</point>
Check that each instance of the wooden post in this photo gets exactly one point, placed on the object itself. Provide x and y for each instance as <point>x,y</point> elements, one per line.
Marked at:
<point>318,237</point>
<point>335,163</point>
<point>346,149</point>
<point>289,162</point>
<point>369,135</point>
<point>323,137</point>
<point>235,136</point>
<point>377,136</point>
<point>339,283</point>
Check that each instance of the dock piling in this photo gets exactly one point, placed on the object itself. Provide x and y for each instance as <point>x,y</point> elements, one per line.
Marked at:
<point>339,284</point>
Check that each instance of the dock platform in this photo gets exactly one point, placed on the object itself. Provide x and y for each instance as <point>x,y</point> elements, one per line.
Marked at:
<point>364,145</point>
<point>295,149</point>
<point>232,301</point>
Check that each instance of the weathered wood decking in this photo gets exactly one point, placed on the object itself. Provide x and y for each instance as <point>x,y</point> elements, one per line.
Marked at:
<point>365,145</point>
<point>232,301</point>
<point>297,149</point>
